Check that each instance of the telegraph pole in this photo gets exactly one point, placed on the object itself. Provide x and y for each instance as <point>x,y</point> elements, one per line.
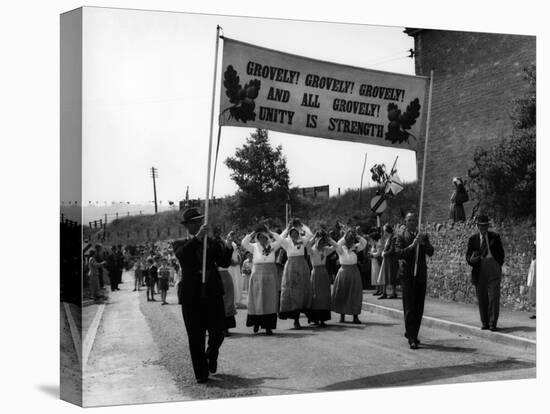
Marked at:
<point>154,174</point>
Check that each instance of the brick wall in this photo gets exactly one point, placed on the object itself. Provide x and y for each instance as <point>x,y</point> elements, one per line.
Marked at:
<point>449,274</point>
<point>476,78</point>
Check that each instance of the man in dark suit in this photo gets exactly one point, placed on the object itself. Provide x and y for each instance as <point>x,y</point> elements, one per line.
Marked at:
<point>202,304</point>
<point>486,255</point>
<point>413,285</point>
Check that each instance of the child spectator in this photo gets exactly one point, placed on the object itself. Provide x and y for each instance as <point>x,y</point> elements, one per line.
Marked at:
<point>152,276</point>
<point>163,277</point>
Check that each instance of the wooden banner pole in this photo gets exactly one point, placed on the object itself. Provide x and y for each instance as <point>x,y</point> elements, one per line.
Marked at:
<point>428,116</point>
<point>206,200</point>
<point>361,185</point>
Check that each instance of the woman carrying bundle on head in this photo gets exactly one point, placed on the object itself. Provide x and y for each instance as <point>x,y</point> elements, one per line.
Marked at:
<point>295,284</point>
<point>347,294</point>
<point>263,298</point>
<point>319,249</point>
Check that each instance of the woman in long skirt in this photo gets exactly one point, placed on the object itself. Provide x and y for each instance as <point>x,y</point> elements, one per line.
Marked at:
<point>347,294</point>
<point>235,270</point>
<point>375,254</point>
<point>319,249</point>
<point>228,299</point>
<point>390,266</point>
<point>458,198</point>
<point>263,300</point>
<point>295,283</point>
<point>228,292</point>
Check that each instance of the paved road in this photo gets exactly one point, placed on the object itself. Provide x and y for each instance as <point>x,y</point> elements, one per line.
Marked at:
<point>338,357</point>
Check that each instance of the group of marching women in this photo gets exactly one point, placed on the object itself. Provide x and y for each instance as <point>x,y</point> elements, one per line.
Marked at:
<point>298,289</point>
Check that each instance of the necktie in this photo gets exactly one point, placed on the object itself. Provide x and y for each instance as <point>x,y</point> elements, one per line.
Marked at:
<point>484,248</point>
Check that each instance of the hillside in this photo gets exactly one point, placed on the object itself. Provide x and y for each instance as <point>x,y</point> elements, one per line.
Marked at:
<point>344,209</point>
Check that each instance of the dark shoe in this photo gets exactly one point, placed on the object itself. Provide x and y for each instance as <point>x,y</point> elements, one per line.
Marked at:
<point>322,324</point>
<point>485,327</point>
<point>393,297</point>
<point>202,380</point>
<point>376,293</point>
<point>413,344</point>
<point>297,325</point>
<point>356,320</point>
<point>268,332</point>
<point>384,296</point>
<point>256,328</point>
<point>342,318</point>
<point>153,300</point>
<point>493,329</point>
<point>134,290</point>
<point>533,317</point>
<point>212,365</point>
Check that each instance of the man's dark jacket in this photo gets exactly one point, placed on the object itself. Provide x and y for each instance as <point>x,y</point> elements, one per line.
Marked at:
<point>189,254</point>
<point>407,256</point>
<point>474,244</point>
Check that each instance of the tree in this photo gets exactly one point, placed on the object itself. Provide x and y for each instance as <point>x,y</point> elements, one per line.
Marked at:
<point>503,178</point>
<point>261,173</point>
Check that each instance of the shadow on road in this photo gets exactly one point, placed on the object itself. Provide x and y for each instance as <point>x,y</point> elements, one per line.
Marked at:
<point>421,375</point>
<point>233,382</point>
<point>444,348</point>
<point>340,326</point>
<point>517,329</point>
<point>285,334</point>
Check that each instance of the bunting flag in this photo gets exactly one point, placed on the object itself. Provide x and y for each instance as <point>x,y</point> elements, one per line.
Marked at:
<point>264,88</point>
<point>394,186</point>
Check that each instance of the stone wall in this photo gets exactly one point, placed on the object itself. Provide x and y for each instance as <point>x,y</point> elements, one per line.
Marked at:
<point>476,78</point>
<point>449,274</point>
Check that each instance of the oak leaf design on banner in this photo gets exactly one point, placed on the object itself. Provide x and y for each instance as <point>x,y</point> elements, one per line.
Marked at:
<point>400,123</point>
<point>242,98</point>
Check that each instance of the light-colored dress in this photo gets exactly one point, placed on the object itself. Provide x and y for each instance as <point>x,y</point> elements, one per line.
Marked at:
<point>235,272</point>
<point>376,253</point>
<point>246,272</point>
<point>347,294</point>
<point>263,298</point>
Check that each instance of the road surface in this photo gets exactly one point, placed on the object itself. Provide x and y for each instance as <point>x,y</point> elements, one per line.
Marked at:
<point>141,354</point>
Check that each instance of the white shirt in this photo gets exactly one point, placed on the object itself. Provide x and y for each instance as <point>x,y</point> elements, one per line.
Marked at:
<point>291,249</point>
<point>319,257</point>
<point>348,256</point>
<point>257,250</point>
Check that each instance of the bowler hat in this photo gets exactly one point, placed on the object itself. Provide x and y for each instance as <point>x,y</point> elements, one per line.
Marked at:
<point>482,219</point>
<point>191,214</point>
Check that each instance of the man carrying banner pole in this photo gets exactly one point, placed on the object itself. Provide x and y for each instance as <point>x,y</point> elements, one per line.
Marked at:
<point>412,247</point>
<point>201,291</point>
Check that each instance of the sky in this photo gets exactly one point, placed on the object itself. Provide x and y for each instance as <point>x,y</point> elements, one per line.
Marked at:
<point>147,96</point>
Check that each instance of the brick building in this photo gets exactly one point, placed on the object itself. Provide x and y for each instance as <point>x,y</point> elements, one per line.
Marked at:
<point>476,78</point>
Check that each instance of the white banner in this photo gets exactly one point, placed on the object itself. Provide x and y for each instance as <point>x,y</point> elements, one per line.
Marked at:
<point>264,88</point>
